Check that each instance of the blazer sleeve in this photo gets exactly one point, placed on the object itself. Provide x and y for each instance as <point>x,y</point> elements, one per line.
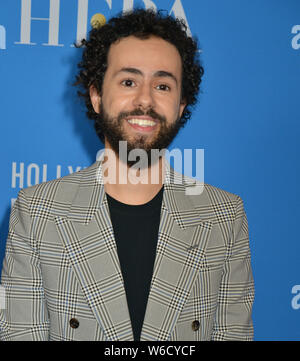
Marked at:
<point>236,295</point>
<point>25,317</point>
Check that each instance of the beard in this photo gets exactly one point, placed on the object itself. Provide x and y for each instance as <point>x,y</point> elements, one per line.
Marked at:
<point>113,131</point>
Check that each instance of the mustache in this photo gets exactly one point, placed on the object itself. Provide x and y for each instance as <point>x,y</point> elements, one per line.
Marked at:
<point>150,113</point>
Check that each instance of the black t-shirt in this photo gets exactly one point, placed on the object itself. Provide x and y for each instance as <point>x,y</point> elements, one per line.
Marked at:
<point>136,232</point>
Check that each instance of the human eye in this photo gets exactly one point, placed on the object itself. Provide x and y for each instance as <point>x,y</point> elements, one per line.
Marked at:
<point>128,83</point>
<point>163,87</point>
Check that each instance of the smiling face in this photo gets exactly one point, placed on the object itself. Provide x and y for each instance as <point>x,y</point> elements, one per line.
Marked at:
<point>140,100</point>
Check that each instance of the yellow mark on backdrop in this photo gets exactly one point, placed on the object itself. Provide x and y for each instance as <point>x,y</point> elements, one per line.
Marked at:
<point>98,20</point>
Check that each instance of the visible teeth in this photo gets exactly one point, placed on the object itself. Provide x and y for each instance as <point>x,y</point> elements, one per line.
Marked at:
<point>142,122</point>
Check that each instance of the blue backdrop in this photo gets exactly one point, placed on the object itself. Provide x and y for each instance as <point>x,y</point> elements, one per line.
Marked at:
<point>247,120</point>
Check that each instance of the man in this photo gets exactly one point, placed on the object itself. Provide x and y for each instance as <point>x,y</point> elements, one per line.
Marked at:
<point>133,258</point>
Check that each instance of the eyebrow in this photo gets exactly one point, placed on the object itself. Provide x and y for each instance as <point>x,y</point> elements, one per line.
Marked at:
<point>157,74</point>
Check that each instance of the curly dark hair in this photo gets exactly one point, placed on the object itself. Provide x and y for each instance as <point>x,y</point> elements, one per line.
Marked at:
<point>141,24</point>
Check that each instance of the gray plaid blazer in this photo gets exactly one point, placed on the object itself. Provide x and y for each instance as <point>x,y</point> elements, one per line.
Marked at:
<point>61,264</point>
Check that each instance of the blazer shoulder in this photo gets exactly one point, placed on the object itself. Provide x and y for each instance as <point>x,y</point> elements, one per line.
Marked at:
<point>220,194</point>
<point>210,193</point>
<point>57,194</point>
<point>217,205</point>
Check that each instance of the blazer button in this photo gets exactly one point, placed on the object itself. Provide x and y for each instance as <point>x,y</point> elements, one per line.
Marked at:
<point>195,325</point>
<point>74,323</point>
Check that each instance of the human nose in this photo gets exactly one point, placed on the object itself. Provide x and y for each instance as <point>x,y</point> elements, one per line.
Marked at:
<point>144,97</point>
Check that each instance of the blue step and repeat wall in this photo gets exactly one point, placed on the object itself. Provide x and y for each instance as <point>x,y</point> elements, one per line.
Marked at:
<point>247,120</point>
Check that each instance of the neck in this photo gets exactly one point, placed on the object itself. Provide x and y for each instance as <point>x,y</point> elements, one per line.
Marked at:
<point>131,185</point>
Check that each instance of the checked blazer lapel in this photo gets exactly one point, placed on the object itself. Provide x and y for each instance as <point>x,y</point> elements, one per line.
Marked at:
<point>87,235</point>
<point>182,240</point>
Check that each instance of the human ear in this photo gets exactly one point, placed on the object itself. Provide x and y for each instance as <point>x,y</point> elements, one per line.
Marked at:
<point>95,98</point>
<point>182,107</point>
